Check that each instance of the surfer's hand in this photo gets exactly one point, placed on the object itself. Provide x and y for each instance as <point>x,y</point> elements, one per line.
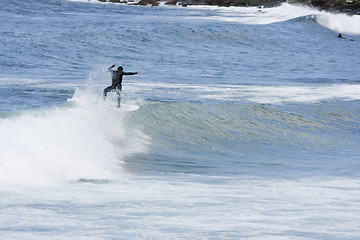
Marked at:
<point>114,64</point>
<point>138,71</point>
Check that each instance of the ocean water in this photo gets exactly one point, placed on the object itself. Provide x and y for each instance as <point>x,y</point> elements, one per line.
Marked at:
<point>248,126</point>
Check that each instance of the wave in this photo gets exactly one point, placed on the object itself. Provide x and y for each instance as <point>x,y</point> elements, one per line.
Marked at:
<point>285,12</point>
<point>88,139</point>
<point>85,139</point>
<point>258,16</point>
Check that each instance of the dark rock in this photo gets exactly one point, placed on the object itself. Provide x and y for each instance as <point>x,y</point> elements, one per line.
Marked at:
<point>243,3</point>
<point>153,3</point>
<point>319,3</point>
<point>265,3</point>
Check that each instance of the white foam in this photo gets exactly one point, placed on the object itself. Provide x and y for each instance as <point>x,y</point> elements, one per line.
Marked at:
<point>340,22</point>
<point>188,207</point>
<point>86,140</point>
<point>307,94</point>
<point>254,15</point>
<point>253,93</point>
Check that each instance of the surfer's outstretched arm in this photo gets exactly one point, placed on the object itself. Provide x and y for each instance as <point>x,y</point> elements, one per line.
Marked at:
<point>130,73</point>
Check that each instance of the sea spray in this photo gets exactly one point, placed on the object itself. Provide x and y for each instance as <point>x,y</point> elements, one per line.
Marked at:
<point>340,22</point>
<point>84,139</point>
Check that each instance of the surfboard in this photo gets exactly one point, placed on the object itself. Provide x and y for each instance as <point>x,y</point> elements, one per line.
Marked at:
<point>128,107</point>
<point>124,107</point>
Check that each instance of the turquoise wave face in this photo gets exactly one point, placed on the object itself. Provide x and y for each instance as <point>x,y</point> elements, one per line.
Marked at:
<point>260,140</point>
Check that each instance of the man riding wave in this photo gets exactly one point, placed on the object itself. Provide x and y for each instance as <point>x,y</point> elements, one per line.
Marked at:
<point>116,85</point>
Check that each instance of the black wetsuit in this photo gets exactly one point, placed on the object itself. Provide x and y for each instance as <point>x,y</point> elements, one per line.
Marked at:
<point>116,80</point>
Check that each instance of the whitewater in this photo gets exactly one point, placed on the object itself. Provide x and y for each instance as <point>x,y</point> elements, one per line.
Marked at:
<point>248,124</point>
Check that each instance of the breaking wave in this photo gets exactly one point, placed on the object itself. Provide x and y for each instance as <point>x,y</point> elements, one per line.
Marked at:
<point>86,138</point>
<point>252,15</point>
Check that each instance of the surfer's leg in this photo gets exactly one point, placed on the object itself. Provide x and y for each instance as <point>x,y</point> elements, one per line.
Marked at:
<point>118,97</point>
<point>106,90</point>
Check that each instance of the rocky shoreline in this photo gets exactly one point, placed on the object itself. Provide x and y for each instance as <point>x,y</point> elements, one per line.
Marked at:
<point>350,7</point>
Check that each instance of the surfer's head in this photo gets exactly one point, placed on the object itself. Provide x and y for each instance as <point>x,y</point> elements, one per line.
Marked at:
<point>120,68</point>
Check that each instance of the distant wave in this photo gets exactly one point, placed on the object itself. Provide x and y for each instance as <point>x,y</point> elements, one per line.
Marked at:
<point>252,15</point>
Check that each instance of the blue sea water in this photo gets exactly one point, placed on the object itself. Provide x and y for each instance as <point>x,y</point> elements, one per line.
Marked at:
<point>248,126</point>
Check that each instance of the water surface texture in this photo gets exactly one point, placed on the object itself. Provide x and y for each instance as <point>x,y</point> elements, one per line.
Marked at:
<point>248,126</point>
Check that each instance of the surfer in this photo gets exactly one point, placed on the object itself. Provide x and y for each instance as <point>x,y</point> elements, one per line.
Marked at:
<point>117,81</point>
<point>340,36</point>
